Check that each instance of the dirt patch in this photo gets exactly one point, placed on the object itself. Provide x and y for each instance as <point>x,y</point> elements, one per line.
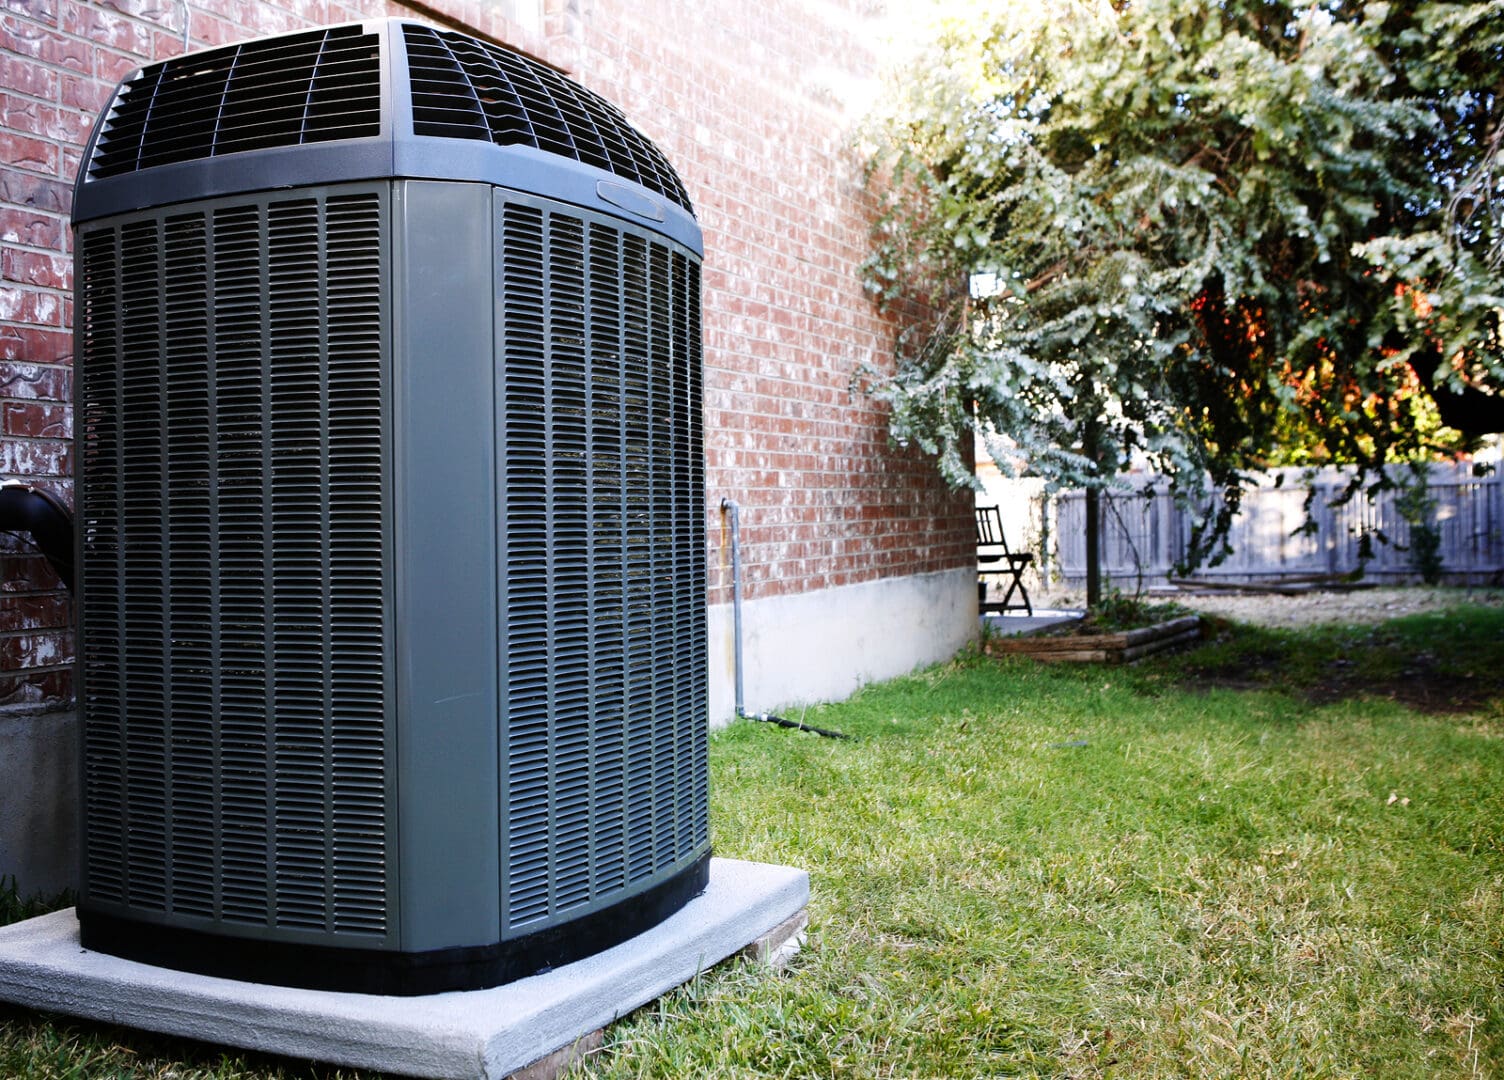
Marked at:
<point>1439,672</point>
<point>1426,692</point>
<point>1420,687</point>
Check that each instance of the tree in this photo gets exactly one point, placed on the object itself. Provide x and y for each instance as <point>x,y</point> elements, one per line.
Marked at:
<point>1190,232</point>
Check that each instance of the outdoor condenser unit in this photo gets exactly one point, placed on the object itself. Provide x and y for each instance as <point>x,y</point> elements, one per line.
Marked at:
<point>391,511</point>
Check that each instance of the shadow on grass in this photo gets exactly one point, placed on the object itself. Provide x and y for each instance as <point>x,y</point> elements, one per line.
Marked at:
<point>47,1046</point>
<point>1442,662</point>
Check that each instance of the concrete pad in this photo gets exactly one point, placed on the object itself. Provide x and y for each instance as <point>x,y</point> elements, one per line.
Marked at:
<point>470,1035</point>
<point>1017,624</point>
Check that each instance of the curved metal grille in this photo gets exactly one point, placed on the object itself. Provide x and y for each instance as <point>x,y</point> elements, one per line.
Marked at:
<point>603,614</point>
<point>467,89</point>
<point>284,91</point>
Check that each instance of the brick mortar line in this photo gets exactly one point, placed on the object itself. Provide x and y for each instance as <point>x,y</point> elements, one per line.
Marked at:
<point>14,324</point>
<point>28,287</point>
<point>32,211</point>
<point>51,102</point>
<point>112,14</point>
<point>32,249</point>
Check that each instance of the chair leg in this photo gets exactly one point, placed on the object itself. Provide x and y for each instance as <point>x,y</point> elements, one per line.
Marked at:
<point>1017,586</point>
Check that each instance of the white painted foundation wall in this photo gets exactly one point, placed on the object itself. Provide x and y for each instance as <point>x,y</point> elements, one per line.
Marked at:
<point>824,645</point>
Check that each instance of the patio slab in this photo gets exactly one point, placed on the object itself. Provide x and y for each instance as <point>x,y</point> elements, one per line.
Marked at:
<point>470,1035</point>
<point>1011,623</point>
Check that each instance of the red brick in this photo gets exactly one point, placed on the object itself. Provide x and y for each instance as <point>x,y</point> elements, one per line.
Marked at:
<point>145,10</point>
<point>20,188</point>
<point>26,76</point>
<point>37,689</point>
<point>111,66</point>
<point>45,458</point>
<point>786,323</point>
<point>87,95</point>
<point>35,611</point>
<point>207,30</point>
<point>24,152</point>
<point>24,37</point>
<point>35,650</point>
<point>43,11</point>
<point>28,116</point>
<point>108,28</point>
<point>35,268</point>
<point>22,350</point>
<point>167,43</point>
<point>30,306</point>
<point>71,128</point>
<point>37,420</point>
<point>30,228</point>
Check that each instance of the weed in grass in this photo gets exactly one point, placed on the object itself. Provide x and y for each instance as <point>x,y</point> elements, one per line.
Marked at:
<point>14,907</point>
<point>1118,611</point>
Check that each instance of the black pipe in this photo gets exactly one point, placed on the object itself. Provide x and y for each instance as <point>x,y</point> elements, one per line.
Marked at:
<point>24,508</point>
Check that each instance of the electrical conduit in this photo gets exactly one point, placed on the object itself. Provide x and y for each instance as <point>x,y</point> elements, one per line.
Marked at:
<point>733,521</point>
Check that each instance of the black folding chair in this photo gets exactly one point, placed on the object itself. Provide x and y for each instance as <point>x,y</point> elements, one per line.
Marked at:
<point>994,560</point>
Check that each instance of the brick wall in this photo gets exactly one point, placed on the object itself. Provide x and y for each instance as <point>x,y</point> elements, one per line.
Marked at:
<point>744,100</point>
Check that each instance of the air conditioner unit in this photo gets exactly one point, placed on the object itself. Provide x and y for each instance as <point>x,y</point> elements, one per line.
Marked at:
<point>391,510</point>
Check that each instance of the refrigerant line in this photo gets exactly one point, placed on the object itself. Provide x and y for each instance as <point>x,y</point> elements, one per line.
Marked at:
<point>733,520</point>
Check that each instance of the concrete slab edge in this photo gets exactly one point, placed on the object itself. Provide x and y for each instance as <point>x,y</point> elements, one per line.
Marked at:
<point>776,949</point>
<point>478,1035</point>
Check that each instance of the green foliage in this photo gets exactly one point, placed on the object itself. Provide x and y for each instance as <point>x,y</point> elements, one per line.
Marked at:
<point>1205,231</point>
<point>1118,611</point>
<point>1417,506</point>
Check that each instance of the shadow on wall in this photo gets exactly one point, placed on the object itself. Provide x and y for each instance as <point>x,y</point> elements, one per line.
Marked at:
<point>39,803</point>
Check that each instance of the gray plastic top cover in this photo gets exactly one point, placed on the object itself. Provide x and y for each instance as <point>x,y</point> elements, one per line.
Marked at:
<point>364,101</point>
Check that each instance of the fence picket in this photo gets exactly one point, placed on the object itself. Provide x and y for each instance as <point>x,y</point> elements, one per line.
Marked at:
<point>1146,535</point>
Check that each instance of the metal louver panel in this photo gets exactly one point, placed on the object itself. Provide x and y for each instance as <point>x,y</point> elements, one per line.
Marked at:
<point>285,91</point>
<point>603,538</point>
<point>468,89</point>
<point>232,483</point>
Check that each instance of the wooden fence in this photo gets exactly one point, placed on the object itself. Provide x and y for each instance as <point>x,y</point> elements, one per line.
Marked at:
<point>1144,536</point>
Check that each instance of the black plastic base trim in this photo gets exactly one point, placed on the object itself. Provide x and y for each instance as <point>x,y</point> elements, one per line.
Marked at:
<point>378,971</point>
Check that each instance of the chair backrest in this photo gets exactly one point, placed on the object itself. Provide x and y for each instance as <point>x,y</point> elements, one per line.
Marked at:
<point>990,529</point>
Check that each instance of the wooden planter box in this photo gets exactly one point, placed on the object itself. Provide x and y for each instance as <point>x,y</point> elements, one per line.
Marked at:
<point>1122,648</point>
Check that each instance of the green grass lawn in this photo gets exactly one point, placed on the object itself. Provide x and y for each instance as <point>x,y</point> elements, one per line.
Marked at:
<point>1279,856</point>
